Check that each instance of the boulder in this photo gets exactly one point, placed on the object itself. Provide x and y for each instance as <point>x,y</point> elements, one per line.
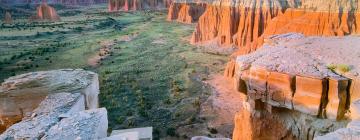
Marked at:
<point>45,116</point>
<point>20,95</point>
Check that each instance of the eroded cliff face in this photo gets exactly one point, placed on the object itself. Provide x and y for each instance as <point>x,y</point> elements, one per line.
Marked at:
<point>126,5</point>
<point>246,23</point>
<point>299,87</point>
<point>186,12</point>
<point>45,12</point>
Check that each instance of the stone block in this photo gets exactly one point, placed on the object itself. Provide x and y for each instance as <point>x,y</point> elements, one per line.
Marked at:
<point>256,83</point>
<point>309,95</point>
<point>280,89</point>
<point>87,125</point>
<point>337,97</point>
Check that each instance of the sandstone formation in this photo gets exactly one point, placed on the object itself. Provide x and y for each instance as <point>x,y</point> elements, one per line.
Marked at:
<point>45,12</point>
<point>246,23</point>
<point>7,18</point>
<point>126,5</point>
<point>20,95</point>
<point>188,12</point>
<point>351,131</point>
<point>292,74</point>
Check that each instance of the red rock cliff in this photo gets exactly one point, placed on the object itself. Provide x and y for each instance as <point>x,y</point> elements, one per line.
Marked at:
<point>186,12</point>
<point>246,23</point>
<point>44,12</point>
<point>126,5</point>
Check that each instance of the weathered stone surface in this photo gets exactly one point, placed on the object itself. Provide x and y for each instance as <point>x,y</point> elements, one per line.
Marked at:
<point>143,133</point>
<point>185,12</point>
<point>20,95</point>
<point>338,98</point>
<point>88,124</point>
<point>280,88</point>
<point>351,132</point>
<point>45,116</point>
<point>253,125</point>
<point>355,110</point>
<point>309,94</point>
<point>256,83</point>
<point>294,54</point>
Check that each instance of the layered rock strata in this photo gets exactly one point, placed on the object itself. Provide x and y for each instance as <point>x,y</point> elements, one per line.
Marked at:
<point>20,95</point>
<point>45,12</point>
<point>126,5</point>
<point>351,131</point>
<point>186,12</point>
<point>294,74</point>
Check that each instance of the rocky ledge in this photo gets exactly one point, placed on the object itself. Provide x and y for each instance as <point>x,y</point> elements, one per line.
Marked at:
<point>312,87</point>
<point>21,95</point>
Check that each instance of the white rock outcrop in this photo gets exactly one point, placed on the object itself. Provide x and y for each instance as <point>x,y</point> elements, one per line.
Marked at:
<point>20,95</point>
<point>45,116</point>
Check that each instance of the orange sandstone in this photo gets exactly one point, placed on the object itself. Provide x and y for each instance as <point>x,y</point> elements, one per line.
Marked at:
<point>186,12</point>
<point>7,18</point>
<point>45,12</point>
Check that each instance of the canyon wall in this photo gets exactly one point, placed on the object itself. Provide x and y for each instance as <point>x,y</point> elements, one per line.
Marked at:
<point>302,87</point>
<point>126,5</point>
<point>246,23</point>
<point>186,12</point>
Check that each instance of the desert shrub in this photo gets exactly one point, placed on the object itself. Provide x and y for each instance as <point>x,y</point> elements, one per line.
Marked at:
<point>343,68</point>
<point>213,130</point>
<point>171,131</point>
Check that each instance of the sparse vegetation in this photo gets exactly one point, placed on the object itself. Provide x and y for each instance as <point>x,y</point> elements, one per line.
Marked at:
<point>142,84</point>
<point>340,68</point>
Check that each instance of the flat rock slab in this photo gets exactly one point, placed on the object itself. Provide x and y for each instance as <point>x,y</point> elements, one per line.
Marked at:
<point>143,133</point>
<point>84,125</point>
<point>20,95</point>
<point>45,116</point>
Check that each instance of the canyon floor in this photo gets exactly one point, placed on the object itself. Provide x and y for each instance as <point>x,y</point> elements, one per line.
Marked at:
<point>149,74</point>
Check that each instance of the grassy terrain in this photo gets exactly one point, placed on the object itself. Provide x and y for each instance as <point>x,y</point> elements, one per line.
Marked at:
<point>152,80</point>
